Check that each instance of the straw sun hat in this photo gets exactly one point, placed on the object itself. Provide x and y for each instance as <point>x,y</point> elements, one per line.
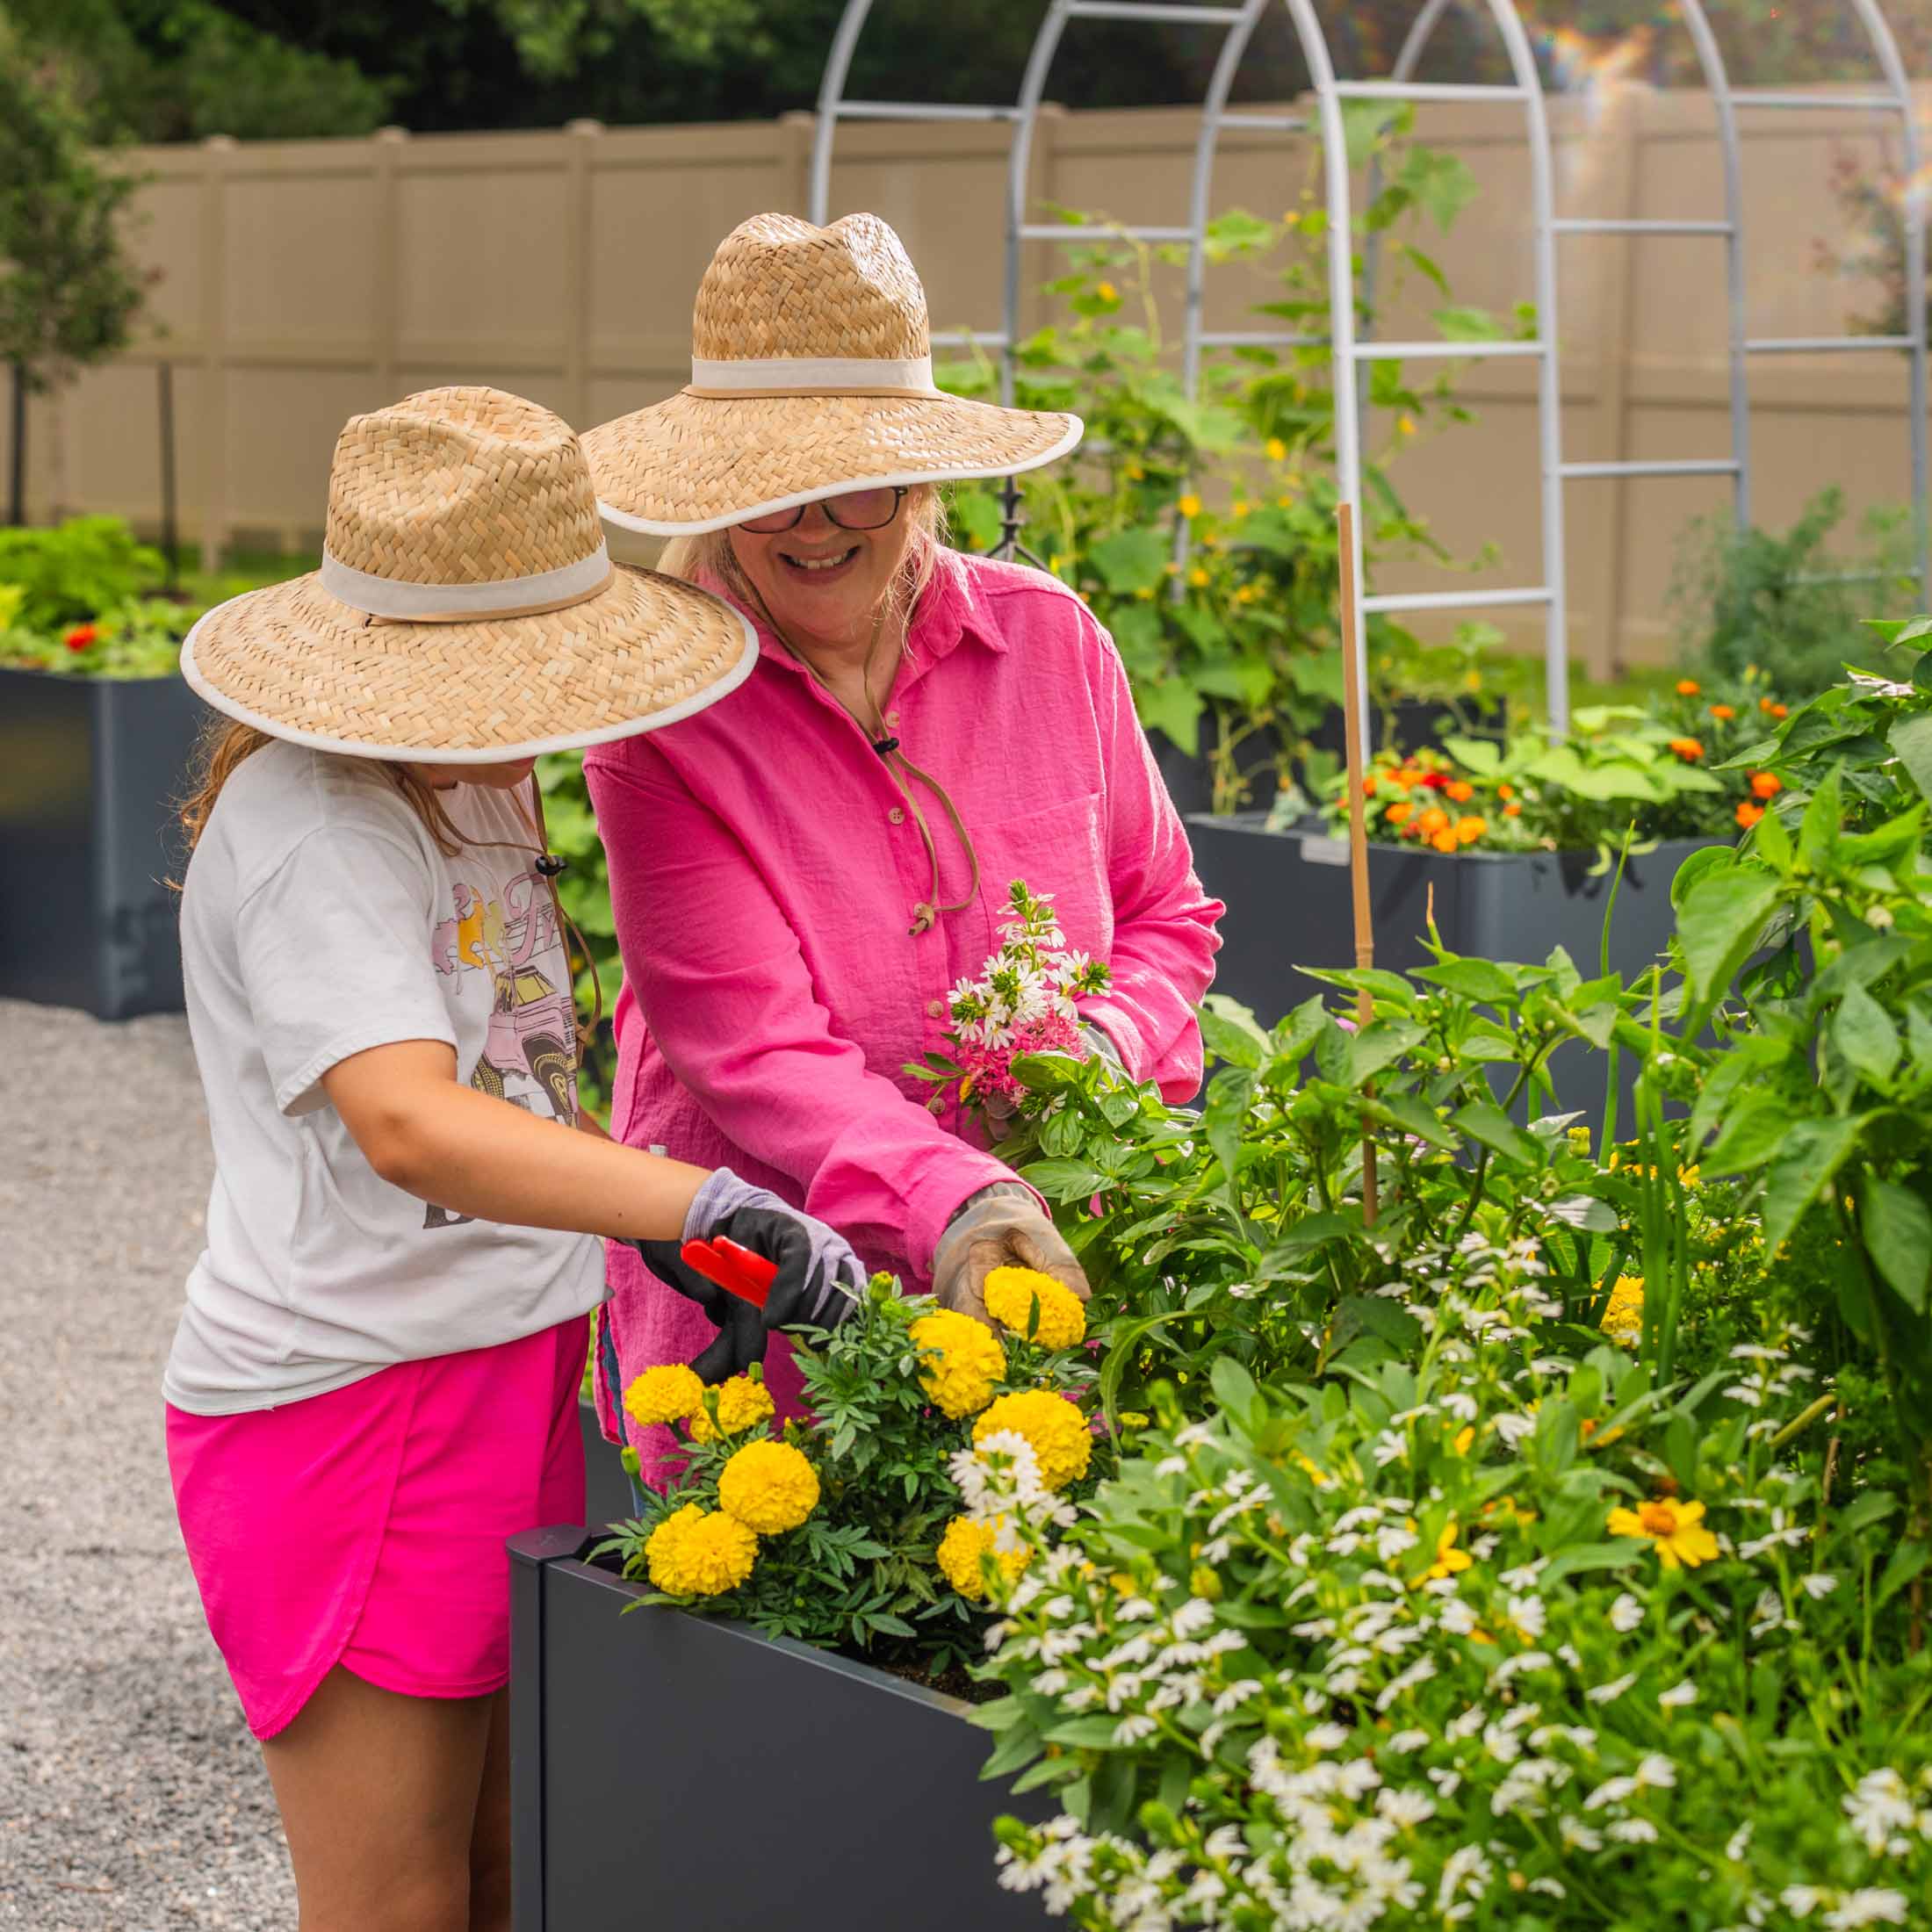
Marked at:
<point>812,373</point>
<point>466,611</point>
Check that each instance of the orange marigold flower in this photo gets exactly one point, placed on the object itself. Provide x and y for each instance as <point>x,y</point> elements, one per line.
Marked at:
<point>1689,749</point>
<point>1433,821</point>
<point>1459,790</point>
<point>1443,841</point>
<point>1368,784</point>
<point>1470,829</point>
<point>1505,791</point>
<point>1398,814</point>
<point>1766,784</point>
<point>1512,810</point>
<point>1723,713</point>
<point>1764,704</point>
<point>1688,687</point>
<point>1781,711</point>
<point>1748,814</point>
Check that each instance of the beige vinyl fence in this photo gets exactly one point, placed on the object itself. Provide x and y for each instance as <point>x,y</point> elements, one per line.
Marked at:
<point>299,282</point>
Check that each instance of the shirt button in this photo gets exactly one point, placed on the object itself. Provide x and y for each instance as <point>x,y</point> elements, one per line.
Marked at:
<point>892,718</point>
<point>935,1009</point>
<point>897,816</point>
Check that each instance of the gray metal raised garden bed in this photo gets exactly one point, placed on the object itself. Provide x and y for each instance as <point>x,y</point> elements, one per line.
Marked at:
<point>91,773</point>
<point>676,1770</point>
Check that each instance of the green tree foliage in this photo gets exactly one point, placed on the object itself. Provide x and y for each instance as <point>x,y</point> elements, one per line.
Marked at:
<point>69,294</point>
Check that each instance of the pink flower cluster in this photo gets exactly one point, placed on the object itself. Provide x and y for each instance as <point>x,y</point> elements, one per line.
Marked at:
<point>989,1070</point>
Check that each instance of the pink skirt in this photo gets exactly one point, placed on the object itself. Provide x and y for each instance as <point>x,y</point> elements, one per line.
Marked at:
<point>365,1527</point>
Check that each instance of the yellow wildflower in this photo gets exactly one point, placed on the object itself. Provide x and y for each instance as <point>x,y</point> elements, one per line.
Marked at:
<point>963,1361</point>
<point>1309,1469</point>
<point>1057,1430</point>
<point>1239,508</point>
<point>768,1487</point>
<point>742,1404</point>
<point>1013,1294</point>
<point>1624,1317</point>
<point>964,1552</point>
<point>668,1393</point>
<point>1278,451</point>
<point>1406,425</point>
<point>1189,505</point>
<point>1198,578</point>
<point>1448,1561</point>
<point>1676,1528</point>
<point>1106,291</point>
<point>1464,1438</point>
<point>700,1552</point>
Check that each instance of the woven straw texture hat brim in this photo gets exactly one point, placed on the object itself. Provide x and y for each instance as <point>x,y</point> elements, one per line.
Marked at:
<point>294,662</point>
<point>694,464</point>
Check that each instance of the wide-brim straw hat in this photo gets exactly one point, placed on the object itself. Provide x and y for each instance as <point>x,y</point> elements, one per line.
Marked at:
<point>466,611</point>
<point>812,373</point>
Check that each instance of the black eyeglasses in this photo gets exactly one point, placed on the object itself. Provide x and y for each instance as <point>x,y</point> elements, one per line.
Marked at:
<point>856,509</point>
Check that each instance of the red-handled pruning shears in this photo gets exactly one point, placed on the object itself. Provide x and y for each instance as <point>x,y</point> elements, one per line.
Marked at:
<point>747,1275</point>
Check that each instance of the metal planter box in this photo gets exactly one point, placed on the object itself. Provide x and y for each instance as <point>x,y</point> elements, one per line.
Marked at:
<point>90,772</point>
<point>668,1769</point>
<point>1289,905</point>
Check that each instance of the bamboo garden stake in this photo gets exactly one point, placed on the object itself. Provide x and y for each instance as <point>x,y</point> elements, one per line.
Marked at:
<point>1358,822</point>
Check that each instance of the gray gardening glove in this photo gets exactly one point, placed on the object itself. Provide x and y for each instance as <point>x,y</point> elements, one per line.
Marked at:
<point>816,1285</point>
<point>1000,1227</point>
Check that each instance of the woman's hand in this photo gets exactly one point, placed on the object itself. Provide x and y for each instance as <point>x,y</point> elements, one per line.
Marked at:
<point>1000,1227</point>
<point>817,1285</point>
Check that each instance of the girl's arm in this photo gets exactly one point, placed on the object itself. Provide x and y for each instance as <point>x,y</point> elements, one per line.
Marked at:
<point>425,1132</point>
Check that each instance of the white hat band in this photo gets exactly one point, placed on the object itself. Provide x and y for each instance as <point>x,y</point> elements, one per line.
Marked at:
<point>807,375</point>
<point>453,603</point>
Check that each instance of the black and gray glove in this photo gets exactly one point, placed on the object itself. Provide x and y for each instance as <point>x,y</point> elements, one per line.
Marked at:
<point>817,1285</point>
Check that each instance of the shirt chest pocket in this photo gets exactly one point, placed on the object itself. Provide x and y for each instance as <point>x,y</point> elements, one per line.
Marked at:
<point>1056,849</point>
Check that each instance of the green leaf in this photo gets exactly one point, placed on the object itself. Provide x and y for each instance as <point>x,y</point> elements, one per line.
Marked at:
<point>1230,1032</point>
<point>1720,921</point>
<point>1172,707</point>
<point>1815,1150</point>
<point>1751,1136</point>
<point>1907,1561</point>
<point>1228,1095</point>
<point>1471,978</point>
<point>1864,1033</point>
<point>1593,1556</point>
<point>1911,740</point>
<point>1233,1386</point>
<point>1460,323</point>
<point>1411,1116</point>
<point>1898,1235</point>
<point>1376,1046</point>
<point>1824,818</point>
<point>1483,1120</point>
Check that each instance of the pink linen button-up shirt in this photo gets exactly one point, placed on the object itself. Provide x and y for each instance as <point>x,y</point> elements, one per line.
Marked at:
<point>765,869</point>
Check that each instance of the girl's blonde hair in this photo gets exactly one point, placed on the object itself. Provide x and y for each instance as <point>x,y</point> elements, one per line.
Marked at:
<point>225,742</point>
<point>710,558</point>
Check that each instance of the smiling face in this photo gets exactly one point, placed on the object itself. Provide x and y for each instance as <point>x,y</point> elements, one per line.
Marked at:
<point>821,583</point>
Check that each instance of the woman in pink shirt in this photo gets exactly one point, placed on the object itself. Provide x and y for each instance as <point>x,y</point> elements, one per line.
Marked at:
<point>800,874</point>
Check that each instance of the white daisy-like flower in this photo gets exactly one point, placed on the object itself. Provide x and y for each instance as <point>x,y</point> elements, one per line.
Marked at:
<point>1869,1905</point>
<point>1625,1613</point>
<point>1819,1586</point>
<point>1678,1695</point>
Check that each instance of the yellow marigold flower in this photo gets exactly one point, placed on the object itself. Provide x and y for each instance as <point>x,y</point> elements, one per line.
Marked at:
<point>769,1487</point>
<point>1198,578</point>
<point>1106,291</point>
<point>1011,1295</point>
<point>1057,1430</point>
<point>742,1404</point>
<point>1189,505</point>
<point>1276,450</point>
<point>1676,1528</point>
<point>668,1393</point>
<point>700,1552</point>
<point>1624,1317</point>
<point>964,1552</point>
<point>963,1361</point>
<point>1470,829</point>
<point>1448,1561</point>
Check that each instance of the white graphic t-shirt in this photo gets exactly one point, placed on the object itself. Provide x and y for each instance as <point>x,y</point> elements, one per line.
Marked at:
<point>318,919</point>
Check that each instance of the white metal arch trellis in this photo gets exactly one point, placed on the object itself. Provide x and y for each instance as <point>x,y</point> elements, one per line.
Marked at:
<point>1347,351</point>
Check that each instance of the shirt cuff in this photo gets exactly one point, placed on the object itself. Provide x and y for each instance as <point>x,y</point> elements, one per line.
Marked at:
<point>934,1205</point>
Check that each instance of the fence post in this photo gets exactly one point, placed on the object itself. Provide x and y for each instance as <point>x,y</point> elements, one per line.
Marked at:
<point>217,152</point>
<point>387,151</point>
<point>578,169</point>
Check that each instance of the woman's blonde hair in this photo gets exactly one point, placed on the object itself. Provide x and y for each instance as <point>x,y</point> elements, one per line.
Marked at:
<point>711,559</point>
<point>225,742</point>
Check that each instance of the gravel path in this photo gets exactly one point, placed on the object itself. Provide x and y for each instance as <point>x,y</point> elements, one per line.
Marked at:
<point>131,1797</point>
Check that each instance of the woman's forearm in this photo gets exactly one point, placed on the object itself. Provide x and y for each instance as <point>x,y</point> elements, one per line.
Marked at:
<point>472,1154</point>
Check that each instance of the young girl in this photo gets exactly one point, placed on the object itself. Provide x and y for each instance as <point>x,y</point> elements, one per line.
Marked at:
<point>375,1380</point>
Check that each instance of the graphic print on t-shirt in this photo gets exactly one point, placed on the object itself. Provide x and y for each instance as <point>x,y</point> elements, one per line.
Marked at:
<point>528,1055</point>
